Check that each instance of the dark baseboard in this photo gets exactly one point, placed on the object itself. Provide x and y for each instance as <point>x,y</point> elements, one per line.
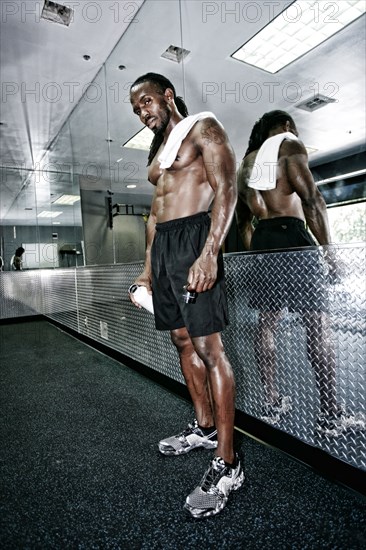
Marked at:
<point>25,319</point>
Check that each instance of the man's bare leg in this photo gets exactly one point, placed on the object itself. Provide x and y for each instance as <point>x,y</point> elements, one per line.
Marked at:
<point>322,358</point>
<point>195,375</point>
<point>222,387</point>
<point>265,351</point>
<point>225,473</point>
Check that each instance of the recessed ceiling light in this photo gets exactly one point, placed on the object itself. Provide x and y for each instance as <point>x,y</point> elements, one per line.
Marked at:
<point>86,57</point>
<point>298,29</point>
<point>175,53</point>
<point>141,140</point>
<point>67,199</point>
<point>48,214</point>
<point>315,103</point>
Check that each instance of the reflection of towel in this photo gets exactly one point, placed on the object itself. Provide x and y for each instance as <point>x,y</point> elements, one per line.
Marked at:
<point>177,135</point>
<point>263,176</point>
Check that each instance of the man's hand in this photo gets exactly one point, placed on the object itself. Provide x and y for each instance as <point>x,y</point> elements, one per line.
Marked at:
<point>203,273</point>
<point>143,280</point>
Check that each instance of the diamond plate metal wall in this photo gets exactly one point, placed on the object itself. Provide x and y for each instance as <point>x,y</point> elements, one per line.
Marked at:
<point>316,319</point>
<point>20,294</point>
<point>313,318</point>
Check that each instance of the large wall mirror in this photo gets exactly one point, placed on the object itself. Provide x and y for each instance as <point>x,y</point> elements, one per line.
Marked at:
<point>87,200</point>
<point>44,215</point>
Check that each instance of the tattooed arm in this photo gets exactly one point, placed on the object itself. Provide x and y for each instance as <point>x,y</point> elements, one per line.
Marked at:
<point>219,164</point>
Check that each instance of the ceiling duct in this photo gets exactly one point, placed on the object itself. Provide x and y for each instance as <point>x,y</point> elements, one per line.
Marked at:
<point>56,13</point>
<point>314,103</point>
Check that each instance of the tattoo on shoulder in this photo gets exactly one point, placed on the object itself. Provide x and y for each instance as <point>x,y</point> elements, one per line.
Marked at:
<point>212,133</point>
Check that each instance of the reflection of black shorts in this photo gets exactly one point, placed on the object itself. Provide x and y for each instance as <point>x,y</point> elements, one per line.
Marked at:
<point>176,246</point>
<point>294,278</point>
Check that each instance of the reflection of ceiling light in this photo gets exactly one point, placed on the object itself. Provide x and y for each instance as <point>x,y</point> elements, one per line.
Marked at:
<point>141,140</point>
<point>298,29</point>
<point>131,186</point>
<point>67,199</point>
<point>48,214</point>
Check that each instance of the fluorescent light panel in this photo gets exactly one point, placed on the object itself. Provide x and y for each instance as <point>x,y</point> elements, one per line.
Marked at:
<point>48,214</point>
<point>142,140</point>
<point>301,27</point>
<point>67,199</point>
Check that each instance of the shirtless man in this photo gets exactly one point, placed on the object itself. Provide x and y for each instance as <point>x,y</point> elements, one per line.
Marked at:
<point>281,213</point>
<point>183,250</point>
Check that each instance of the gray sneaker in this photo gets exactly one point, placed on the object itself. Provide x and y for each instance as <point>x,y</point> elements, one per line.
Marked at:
<point>191,438</point>
<point>334,425</point>
<point>210,497</point>
<point>274,412</point>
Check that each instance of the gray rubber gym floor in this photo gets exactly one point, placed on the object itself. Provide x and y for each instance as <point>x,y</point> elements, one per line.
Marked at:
<point>80,466</point>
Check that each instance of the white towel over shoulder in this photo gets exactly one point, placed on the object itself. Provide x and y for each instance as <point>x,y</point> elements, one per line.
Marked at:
<point>177,135</point>
<point>263,176</point>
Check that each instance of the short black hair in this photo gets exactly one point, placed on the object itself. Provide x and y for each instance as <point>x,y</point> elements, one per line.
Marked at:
<point>161,81</point>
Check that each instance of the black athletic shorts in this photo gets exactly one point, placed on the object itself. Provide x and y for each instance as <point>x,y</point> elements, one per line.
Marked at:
<point>285,232</point>
<point>294,278</point>
<point>176,246</point>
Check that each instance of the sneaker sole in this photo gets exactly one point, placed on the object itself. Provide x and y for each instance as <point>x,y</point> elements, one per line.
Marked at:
<point>271,419</point>
<point>279,415</point>
<point>329,433</point>
<point>343,428</point>
<point>196,513</point>
<point>172,452</point>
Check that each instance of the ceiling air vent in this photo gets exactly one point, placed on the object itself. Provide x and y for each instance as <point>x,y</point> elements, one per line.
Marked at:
<point>174,53</point>
<point>56,13</point>
<point>316,102</point>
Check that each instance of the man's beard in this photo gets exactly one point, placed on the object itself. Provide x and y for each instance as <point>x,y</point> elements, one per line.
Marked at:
<point>164,121</point>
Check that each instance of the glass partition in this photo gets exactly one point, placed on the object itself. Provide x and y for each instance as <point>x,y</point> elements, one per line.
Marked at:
<point>44,216</point>
<point>22,206</point>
